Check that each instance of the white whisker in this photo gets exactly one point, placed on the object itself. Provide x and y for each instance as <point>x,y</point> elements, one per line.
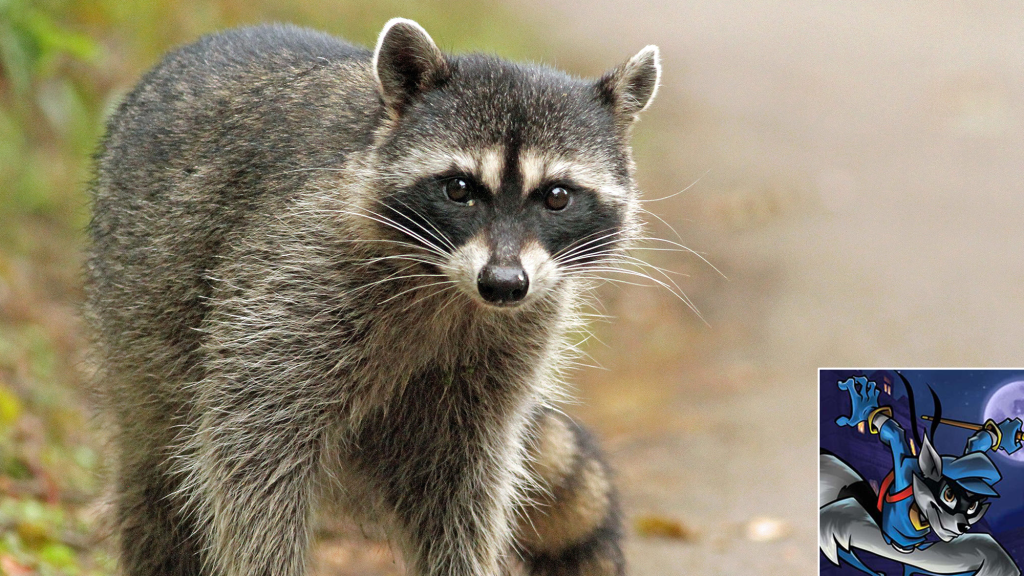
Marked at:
<point>692,184</point>
<point>440,236</point>
<point>370,215</point>
<point>417,287</point>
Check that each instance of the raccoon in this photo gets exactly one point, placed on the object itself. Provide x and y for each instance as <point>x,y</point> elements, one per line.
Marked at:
<point>322,277</point>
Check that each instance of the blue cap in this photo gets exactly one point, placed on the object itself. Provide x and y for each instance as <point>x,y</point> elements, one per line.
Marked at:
<point>974,471</point>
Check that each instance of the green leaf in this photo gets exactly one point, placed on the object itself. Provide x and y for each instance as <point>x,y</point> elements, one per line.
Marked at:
<point>58,555</point>
<point>10,407</point>
<point>14,55</point>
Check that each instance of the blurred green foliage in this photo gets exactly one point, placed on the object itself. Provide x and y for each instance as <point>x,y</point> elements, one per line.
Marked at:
<point>64,64</point>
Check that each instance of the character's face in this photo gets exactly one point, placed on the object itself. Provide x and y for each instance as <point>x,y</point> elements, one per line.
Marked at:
<point>949,508</point>
<point>508,179</point>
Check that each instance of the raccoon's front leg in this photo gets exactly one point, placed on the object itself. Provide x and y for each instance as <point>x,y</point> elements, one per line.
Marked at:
<point>444,469</point>
<point>572,525</point>
<point>155,536</point>
<point>253,486</point>
<point>462,535</point>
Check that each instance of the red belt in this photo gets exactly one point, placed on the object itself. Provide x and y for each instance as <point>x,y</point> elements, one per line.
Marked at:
<point>883,492</point>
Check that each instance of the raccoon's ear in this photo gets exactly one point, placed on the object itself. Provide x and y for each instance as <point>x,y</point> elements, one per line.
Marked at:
<point>406,63</point>
<point>929,461</point>
<point>630,88</point>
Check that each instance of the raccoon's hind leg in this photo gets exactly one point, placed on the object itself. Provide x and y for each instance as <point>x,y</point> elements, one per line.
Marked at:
<point>572,526</point>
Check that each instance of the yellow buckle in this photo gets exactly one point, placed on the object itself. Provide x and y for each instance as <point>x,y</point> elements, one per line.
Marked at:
<point>991,426</point>
<point>887,410</point>
<point>915,518</point>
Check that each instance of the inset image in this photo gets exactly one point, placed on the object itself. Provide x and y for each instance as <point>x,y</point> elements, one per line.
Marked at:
<point>921,471</point>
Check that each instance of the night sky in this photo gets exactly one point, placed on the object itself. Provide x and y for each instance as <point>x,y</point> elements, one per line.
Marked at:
<point>963,394</point>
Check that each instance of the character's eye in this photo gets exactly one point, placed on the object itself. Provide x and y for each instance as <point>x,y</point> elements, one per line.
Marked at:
<point>948,497</point>
<point>557,198</point>
<point>458,190</point>
<point>974,507</point>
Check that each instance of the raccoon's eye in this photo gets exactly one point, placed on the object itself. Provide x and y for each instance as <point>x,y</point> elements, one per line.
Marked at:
<point>557,198</point>
<point>457,189</point>
<point>948,497</point>
<point>973,508</point>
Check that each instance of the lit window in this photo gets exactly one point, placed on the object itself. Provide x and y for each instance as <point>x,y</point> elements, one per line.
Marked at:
<point>860,427</point>
<point>912,449</point>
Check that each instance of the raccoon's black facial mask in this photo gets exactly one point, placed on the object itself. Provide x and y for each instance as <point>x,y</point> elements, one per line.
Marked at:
<point>445,213</point>
<point>953,499</point>
<point>558,215</point>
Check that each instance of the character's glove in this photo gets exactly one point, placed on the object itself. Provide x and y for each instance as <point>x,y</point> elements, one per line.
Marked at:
<point>1008,432</point>
<point>864,396</point>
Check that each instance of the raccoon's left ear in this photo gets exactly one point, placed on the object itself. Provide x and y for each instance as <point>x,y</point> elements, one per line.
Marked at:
<point>406,63</point>
<point>630,88</point>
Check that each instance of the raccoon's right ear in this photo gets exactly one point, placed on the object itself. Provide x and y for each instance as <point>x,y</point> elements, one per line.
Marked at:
<point>929,461</point>
<point>630,88</point>
<point>406,63</point>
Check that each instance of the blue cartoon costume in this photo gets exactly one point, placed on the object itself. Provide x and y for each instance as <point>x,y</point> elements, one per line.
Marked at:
<point>898,515</point>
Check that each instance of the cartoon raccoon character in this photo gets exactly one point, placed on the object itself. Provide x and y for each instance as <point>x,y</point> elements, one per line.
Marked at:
<point>923,495</point>
<point>325,276</point>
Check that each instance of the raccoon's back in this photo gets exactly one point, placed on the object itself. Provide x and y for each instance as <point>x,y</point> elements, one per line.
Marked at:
<point>212,142</point>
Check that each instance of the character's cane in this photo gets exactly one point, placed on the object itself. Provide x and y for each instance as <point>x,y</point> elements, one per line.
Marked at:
<point>1007,429</point>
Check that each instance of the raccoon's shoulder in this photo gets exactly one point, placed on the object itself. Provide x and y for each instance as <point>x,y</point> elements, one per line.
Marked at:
<point>266,45</point>
<point>249,70</point>
<point>269,97</point>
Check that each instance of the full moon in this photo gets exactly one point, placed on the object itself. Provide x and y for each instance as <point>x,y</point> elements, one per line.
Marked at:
<point>1007,402</point>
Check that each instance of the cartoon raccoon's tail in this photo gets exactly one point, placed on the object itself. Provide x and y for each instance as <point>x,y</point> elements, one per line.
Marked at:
<point>836,478</point>
<point>843,513</point>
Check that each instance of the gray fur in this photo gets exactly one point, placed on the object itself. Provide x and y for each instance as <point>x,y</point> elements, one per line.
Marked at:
<point>571,520</point>
<point>263,348</point>
<point>834,475</point>
<point>945,525</point>
<point>845,524</point>
<point>930,461</point>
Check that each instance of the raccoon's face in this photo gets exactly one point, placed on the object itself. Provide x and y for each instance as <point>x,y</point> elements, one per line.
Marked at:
<point>949,508</point>
<point>510,179</point>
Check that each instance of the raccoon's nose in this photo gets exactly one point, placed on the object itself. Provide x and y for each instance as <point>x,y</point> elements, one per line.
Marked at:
<point>502,284</point>
<point>964,527</point>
